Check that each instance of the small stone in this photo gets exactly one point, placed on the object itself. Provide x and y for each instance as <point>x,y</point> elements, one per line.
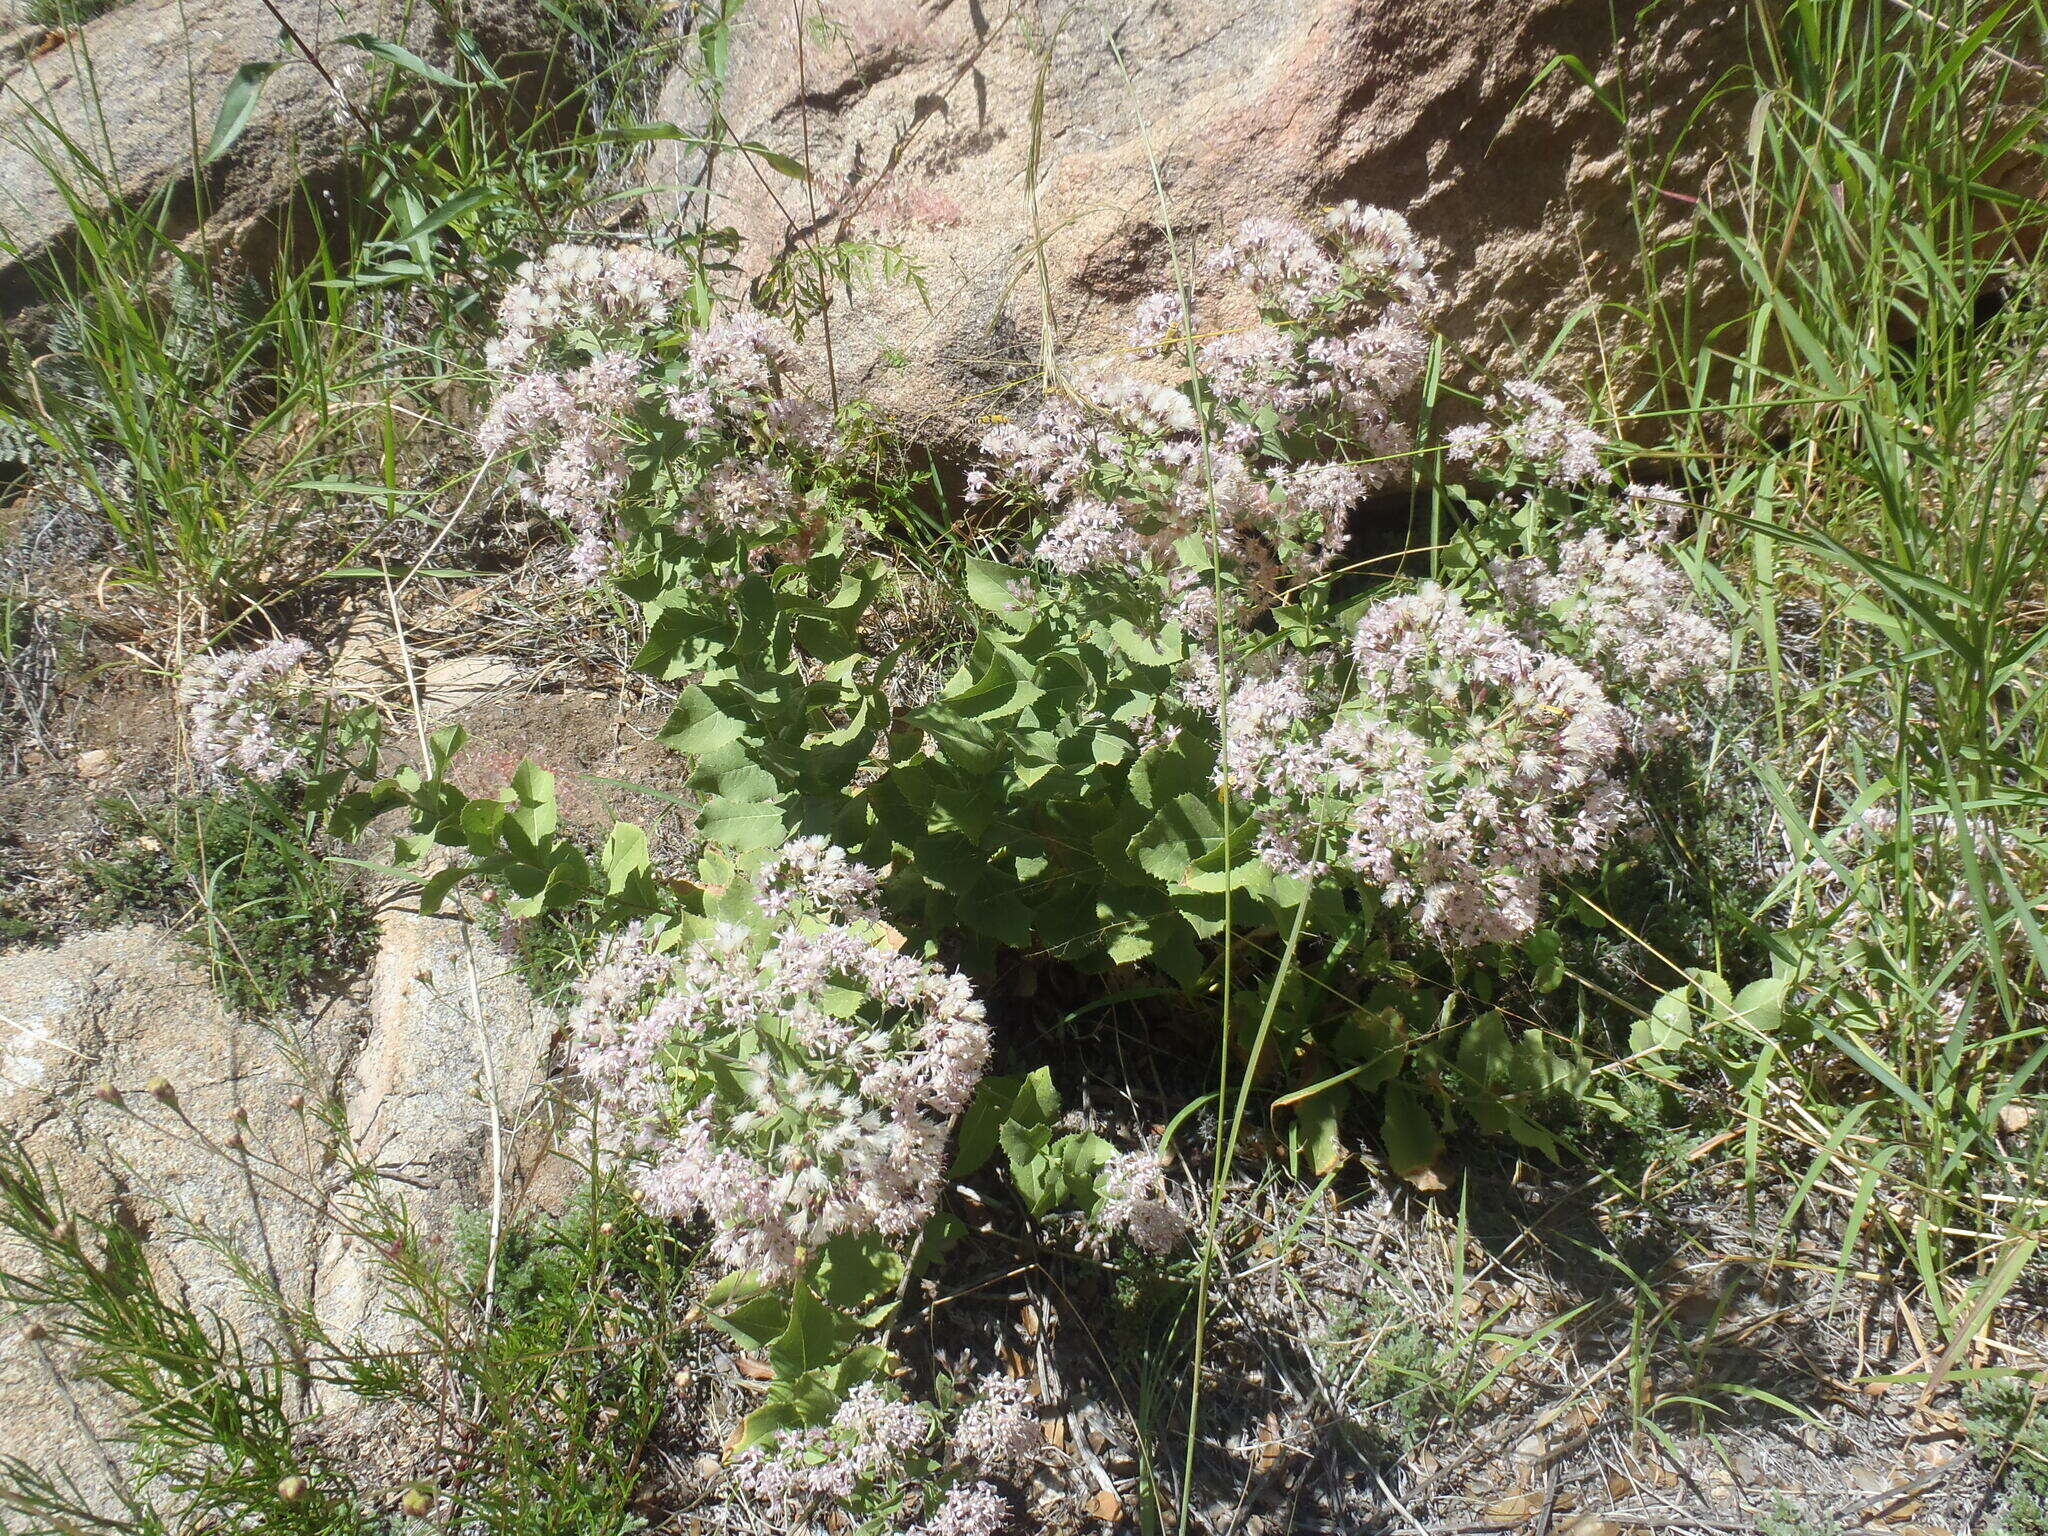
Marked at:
<point>1592,1525</point>
<point>2015,1118</point>
<point>96,764</point>
<point>1105,1505</point>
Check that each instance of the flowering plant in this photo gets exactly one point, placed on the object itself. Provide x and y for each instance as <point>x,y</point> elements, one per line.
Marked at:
<point>880,1464</point>
<point>794,1079</point>
<point>1178,725</point>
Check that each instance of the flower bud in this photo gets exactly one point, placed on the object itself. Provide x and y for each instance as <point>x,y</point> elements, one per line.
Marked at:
<point>107,1093</point>
<point>293,1489</point>
<point>236,1141</point>
<point>417,1501</point>
<point>296,1103</point>
<point>65,1232</point>
<point>35,1333</point>
<point>161,1090</point>
<point>240,1116</point>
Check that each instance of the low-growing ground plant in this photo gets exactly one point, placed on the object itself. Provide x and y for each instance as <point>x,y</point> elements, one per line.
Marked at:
<point>244,877</point>
<point>1647,814</point>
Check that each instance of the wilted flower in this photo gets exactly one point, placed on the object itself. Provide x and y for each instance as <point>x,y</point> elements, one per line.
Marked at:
<point>1136,1200</point>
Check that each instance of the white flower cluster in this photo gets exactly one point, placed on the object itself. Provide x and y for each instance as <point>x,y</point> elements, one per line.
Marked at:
<point>1123,466</point>
<point>1470,767</point>
<point>1538,431</point>
<point>789,1085</point>
<point>581,346</point>
<point>1137,1200</point>
<point>863,1463</point>
<point>1618,603</point>
<point>997,1431</point>
<point>234,701</point>
<point>1471,754</point>
<point>603,292</point>
<point>577,301</point>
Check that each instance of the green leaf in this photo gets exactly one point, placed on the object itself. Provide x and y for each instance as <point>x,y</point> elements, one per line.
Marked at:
<point>775,160</point>
<point>1761,1004</point>
<point>405,59</point>
<point>991,586</point>
<point>981,1125</point>
<point>238,106</point>
<point>744,826</point>
<point>436,890</point>
<point>1037,1101</point>
<point>1409,1131</point>
<point>811,1338</point>
<point>625,856</point>
<point>450,210</point>
<point>1321,1121</point>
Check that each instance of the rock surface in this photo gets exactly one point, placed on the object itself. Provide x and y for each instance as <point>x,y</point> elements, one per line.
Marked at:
<point>138,88</point>
<point>918,119</point>
<point>418,1070</point>
<point>445,1097</point>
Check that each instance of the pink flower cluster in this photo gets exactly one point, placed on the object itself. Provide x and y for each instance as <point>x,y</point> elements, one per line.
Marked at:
<point>577,301</point>
<point>1618,603</point>
<point>997,1431</point>
<point>864,1465</point>
<point>802,1475</point>
<point>234,701</point>
<point>603,293</point>
<point>1301,414</point>
<point>571,421</point>
<point>788,1083</point>
<point>1468,768</point>
<point>584,339</point>
<point>1473,749</point>
<point>1538,432</point>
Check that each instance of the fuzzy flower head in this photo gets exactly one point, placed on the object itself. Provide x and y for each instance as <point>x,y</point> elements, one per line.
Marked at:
<point>802,1479</point>
<point>1465,767</point>
<point>236,707</point>
<point>1263,446</point>
<point>788,1082</point>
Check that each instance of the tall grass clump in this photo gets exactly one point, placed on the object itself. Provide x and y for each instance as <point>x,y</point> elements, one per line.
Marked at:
<point>1864,418</point>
